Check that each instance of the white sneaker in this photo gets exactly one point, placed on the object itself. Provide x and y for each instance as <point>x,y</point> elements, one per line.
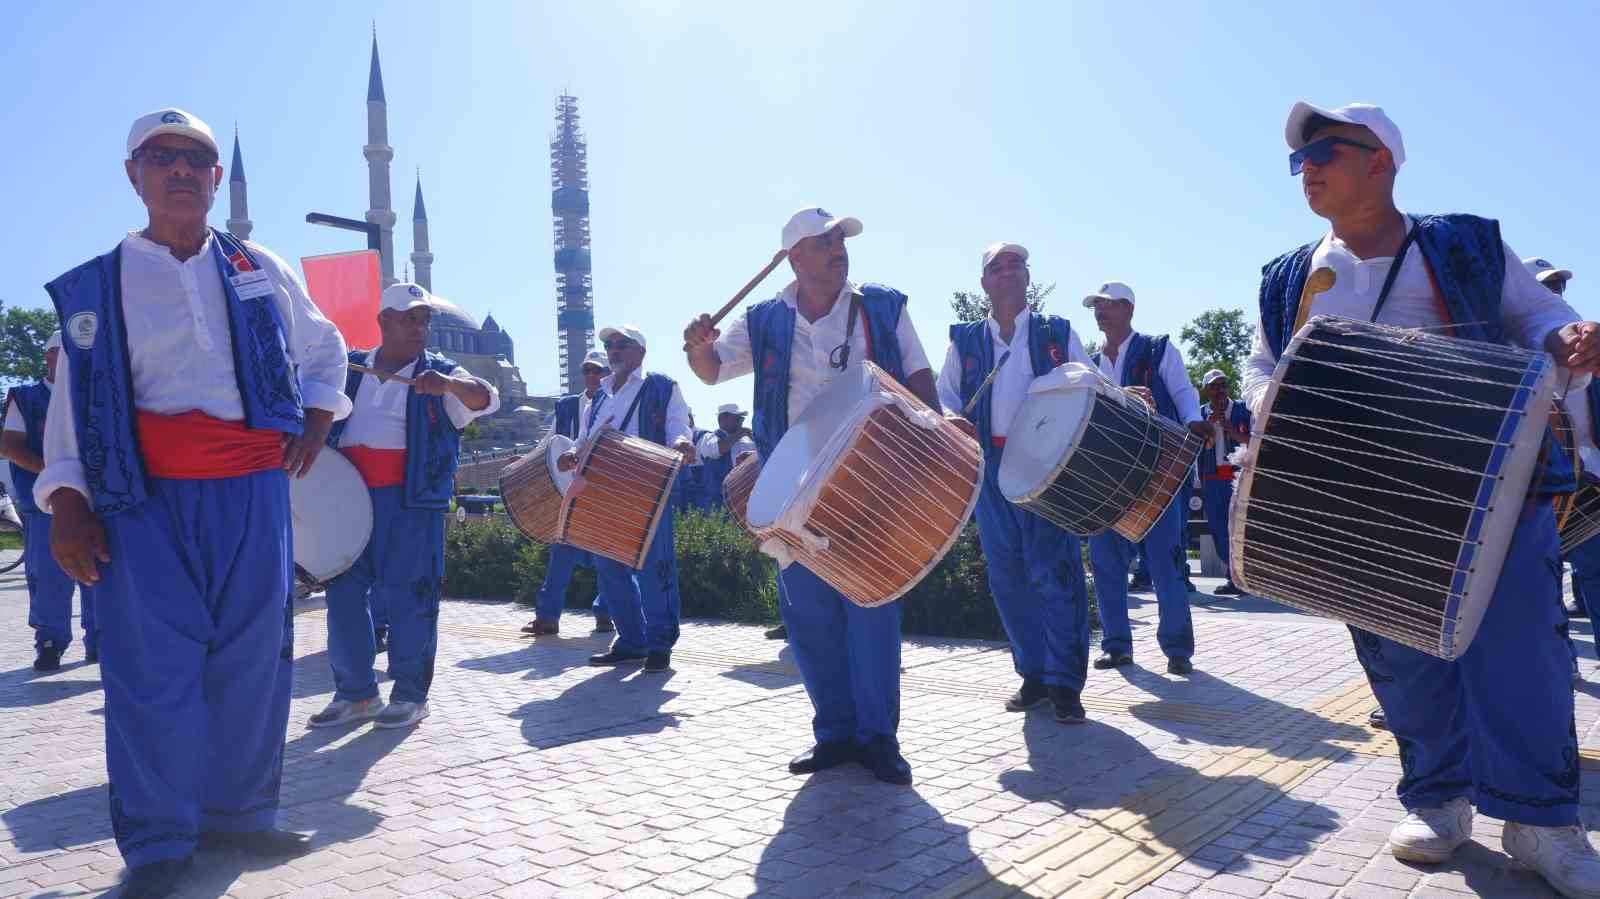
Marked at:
<point>1563,855</point>
<point>1430,835</point>
<point>402,714</point>
<point>344,712</point>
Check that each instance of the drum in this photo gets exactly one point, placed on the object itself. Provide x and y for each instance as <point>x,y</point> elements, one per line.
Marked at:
<point>331,512</point>
<point>1081,452</point>
<point>1582,520</point>
<point>615,503</point>
<point>1178,447</point>
<point>868,488</point>
<point>736,487</point>
<point>532,489</point>
<point>1386,476</point>
<point>1567,436</point>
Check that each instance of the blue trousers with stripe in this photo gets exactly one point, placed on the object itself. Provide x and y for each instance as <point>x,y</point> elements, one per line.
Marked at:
<point>1109,556</point>
<point>50,590</point>
<point>848,656</point>
<point>552,596</point>
<point>644,603</point>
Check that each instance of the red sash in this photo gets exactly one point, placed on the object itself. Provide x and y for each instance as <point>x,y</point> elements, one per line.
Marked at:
<point>378,467</point>
<point>194,446</point>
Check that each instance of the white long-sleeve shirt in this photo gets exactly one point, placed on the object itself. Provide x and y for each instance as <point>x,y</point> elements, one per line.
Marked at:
<point>614,407</point>
<point>1171,371</point>
<point>810,371</point>
<point>709,449</point>
<point>180,350</point>
<point>378,418</point>
<point>1528,311</point>
<point>1010,385</point>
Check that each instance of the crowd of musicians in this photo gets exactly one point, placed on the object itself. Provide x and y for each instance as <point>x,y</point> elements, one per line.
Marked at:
<point>192,378</point>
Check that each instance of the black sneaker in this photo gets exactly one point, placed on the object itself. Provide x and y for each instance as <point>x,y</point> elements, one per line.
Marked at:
<point>155,880</point>
<point>657,662</point>
<point>259,843</point>
<point>1113,660</point>
<point>1377,720</point>
<point>1031,695</point>
<point>1068,705</point>
<point>615,657</point>
<point>1179,665</point>
<point>48,659</point>
<point>882,757</point>
<point>1228,589</point>
<point>778,633</point>
<point>824,756</point>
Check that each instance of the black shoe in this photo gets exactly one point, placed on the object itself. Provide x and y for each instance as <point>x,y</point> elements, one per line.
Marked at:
<point>260,843</point>
<point>48,659</point>
<point>1377,721</point>
<point>91,656</point>
<point>1030,695</point>
<point>1228,589</point>
<point>1113,660</point>
<point>658,662</point>
<point>1140,585</point>
<point>1181,665</point>
<point>614,657</point>
<point>882,757</point>
<point>1189,586</point>
<point>824,756</point>
<point>1068,705</point>
<point>155,880</point>
<point>380,640</point>
<point>1575,609</point>
<point>602,623</point>
<point>778,633</point>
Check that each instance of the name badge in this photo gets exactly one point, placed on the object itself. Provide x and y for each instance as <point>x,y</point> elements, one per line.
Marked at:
<point>252,285</point>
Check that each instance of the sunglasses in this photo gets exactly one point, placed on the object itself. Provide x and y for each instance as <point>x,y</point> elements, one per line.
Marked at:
<point>165,156</point>
<point>1320,152</point>
<point>622,344</point>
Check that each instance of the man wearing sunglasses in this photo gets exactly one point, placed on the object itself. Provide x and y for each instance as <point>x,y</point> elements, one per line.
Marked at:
<point>197,377</point>
<point>643,602</point>
<point>796,344</point>
<point>1493,728</point>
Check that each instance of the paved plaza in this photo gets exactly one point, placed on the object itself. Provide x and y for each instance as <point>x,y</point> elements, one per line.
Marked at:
<point>539,776</point>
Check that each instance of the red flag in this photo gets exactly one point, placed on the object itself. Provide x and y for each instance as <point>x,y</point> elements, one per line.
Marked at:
<point>345,287</point>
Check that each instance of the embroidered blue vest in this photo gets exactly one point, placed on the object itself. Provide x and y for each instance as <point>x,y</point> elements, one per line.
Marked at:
<point>433,445</point>
<point>771,326</point>
<point>1142,368</point>
<point>718,468</point>
<point>655,394</point>
<point>32,401</point>
<point>88,301</point>
<point>567,415</point>
<point>1239,417</point>
<point>1048,339</point>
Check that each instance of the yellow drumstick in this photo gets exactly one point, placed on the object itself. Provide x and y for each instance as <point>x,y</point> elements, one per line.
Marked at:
<point>1321,281</point>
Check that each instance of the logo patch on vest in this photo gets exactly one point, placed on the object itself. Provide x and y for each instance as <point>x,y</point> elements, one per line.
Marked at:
<point>1054,352</point>
<point>82,328</point>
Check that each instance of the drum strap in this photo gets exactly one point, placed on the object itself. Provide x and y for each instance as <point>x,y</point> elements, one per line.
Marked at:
<point>1394,271</point>
<point>632,407</point>
<point>840,357</point>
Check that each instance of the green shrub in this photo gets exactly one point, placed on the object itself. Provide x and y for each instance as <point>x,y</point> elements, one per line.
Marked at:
<point>721,573</point>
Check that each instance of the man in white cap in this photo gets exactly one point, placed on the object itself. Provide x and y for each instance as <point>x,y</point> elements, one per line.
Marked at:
<point>49,587</point>
<point>1554,279</point>
<point>1495,727</point>
<point>1151,367</point>
<point>796,344</point>
<point>197,376</point>
<point>1035,568</point>
<point>1227,427</point>
<point>404,437</point>
<point>552,597</point>
<point>722,449</point>
<point>643,602</point>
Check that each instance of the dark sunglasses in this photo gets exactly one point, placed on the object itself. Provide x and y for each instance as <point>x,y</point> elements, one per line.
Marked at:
<point>622,344</point>
<point>165,156</point>
<point>1320,152</point>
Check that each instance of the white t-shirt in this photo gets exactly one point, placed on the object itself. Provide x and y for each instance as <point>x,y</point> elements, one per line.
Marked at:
<point>1010,384</point>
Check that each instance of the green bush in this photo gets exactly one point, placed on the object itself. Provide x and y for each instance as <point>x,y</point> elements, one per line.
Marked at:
<point>721,573</point>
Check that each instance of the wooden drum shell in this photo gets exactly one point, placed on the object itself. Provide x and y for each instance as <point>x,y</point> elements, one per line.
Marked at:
<point>623,488</point>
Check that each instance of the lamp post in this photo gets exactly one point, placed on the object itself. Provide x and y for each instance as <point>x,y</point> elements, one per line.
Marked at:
<point>374,240</point>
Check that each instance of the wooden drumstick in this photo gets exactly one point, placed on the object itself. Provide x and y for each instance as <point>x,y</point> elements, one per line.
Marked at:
<point>380,375</point>
<point>745,291</point>
<point>984,387</point>
<point>1321,281</point>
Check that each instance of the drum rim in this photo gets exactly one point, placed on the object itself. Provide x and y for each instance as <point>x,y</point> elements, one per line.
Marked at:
<point>544,446</point>
<point>816,410</point>
<point>1072,447</point>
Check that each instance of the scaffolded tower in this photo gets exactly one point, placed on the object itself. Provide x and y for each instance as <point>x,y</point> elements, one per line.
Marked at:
<point>569,203</point>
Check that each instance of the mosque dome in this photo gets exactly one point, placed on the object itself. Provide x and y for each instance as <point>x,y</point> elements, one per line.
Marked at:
<point>448,315</point>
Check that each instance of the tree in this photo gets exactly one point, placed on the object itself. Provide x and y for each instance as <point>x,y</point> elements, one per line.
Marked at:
<point>23,333</point>
<point>972,306</point>
<point>1218,338</point>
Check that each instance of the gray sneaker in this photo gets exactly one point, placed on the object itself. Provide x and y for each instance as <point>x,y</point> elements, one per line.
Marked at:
<point>402,714</point>
<point>343,712</point>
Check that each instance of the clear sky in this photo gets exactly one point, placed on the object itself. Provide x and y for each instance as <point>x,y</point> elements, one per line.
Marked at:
<point>1133,141</point>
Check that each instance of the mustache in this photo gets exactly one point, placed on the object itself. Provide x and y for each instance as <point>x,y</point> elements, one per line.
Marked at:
<point>183,183</point>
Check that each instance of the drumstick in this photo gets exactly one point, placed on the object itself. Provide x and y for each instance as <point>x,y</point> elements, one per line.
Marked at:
<point>1321,281</point>
<point>984,387</point>
<point>745,291</point>
<point>380,375</point>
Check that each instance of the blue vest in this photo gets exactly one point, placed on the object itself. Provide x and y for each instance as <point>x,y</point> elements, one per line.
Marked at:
<point>650,411</point>
<point>567,415</point>
<point>32,401</point>
<point>1048,340</point>
<point>88,301</point>
<point>1466,259</point>
<point>771,325</point>
<point>718,468</point>
<point>1239,417</point>
<point>1142,368</point>
<point>433,445</point>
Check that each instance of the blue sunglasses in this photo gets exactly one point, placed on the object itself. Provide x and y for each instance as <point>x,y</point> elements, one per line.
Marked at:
<point>1320,152</point>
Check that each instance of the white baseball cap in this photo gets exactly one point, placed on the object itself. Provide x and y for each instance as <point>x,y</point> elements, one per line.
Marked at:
<point>1371,117</point>
<point>631,332</point>
<point>54,343</point>
<point>1543,271</point>
<point>729,409</point>
<point>598,359</point>
<point>1111,290</point>
<point>170,121</point>
<point>995,249</point>
<point>811,222</point>
<point>1216,374</point>
<point>403,296</point>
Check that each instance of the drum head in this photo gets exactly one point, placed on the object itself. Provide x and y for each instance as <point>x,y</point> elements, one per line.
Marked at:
<point>1047,428</point>
<point>810,446</point>
<point>556,445</point>
<point>332,514</point>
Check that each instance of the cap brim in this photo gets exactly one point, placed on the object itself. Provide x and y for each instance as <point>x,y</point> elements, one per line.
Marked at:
<point>182,131</point>
<point>850,224</point>
<point>1551,274</point>
<point>1091,299</point>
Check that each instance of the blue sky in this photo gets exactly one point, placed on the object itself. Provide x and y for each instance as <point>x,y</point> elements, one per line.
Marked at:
<point>1135,141</point>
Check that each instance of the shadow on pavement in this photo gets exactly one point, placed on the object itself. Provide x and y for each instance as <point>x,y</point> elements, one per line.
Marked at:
<point>599,707</point>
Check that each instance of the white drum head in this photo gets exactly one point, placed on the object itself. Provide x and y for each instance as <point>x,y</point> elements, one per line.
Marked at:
<point>332,514</point>
<point>810,446</point>
<point>1043,435</point>
<point>558,444</point>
